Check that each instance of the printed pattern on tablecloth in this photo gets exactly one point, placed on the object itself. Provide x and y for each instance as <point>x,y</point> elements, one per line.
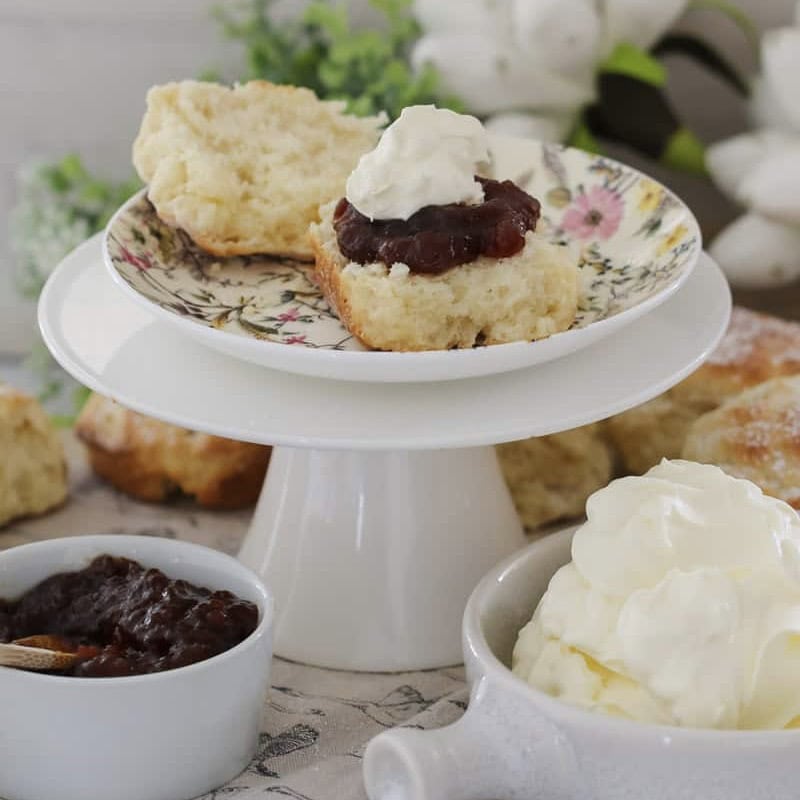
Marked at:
<point>317,723</point>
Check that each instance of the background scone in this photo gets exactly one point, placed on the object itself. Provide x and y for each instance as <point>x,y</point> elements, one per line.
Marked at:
<point>33,471</point>
<point>755,348</point>
<point>551,477</point>
<point>153,460</point>
<point>245,169</point>
<point>527,296</point>
<point>755,435</point>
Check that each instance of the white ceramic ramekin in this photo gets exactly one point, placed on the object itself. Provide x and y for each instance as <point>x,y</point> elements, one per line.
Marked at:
<point>165,736</point>
<point>516,743</point>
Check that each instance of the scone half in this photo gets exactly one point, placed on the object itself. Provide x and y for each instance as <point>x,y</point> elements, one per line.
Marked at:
<point>153,460</point>
<point>33,468</point>
<point>524,297</point>
<point>244,169</point>
<point>551,477</point>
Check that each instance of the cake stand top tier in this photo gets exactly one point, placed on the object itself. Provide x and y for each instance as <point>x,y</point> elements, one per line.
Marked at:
<point>634,241</point>
<point>111,345</point>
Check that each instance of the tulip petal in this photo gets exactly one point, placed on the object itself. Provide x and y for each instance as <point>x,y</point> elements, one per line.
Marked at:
<point>771,187</point>
<point>531,126</point>
<point>488,17</point>
<point>732,160</point>
<point>756,253</point>
<point>765,109</point>
<point>488,77</point>
<point>567,43</point>
<point>780,52</point>
<point>639,22</point>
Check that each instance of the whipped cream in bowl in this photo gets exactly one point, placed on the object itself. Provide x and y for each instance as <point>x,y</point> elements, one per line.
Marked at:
<point>655,654</point>
<point>681,605</point>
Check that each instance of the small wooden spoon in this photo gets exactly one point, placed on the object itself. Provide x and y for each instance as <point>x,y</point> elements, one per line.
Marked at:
<point>36,652</point>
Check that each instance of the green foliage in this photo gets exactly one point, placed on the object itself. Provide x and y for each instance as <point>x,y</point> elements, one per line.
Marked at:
<point>583,138</point>
<point>368,69</point>
<point>87,196</point>
<point>684,151</point>
<point>59,206</point>
<point>627,59</point>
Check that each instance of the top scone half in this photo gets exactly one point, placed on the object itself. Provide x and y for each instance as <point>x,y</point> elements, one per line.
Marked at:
<point>244,170</point>
<point>424,253</point>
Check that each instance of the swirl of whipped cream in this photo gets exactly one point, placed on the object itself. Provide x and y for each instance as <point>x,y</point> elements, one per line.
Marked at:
<point>427,157</point>
<point>681,605</point>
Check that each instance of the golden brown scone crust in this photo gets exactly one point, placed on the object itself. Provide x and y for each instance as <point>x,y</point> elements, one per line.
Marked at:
<point>153,460</point>
<point>550,477</point>
<point>33,470</point>
<point>527,296</point>
<point>755,348</point>
<point>755,435</point>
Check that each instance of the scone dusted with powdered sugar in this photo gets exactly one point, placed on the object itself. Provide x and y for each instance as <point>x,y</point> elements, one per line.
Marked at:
<point>755,435</point>
<point>424,253</point>
<point>244,170</point>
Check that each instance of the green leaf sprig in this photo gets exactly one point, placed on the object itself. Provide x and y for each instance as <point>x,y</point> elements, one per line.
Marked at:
<point>368,69</point>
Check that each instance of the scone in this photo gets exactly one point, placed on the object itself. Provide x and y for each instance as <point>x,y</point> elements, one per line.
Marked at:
<point>527,296</point>
<point>153,460</point>
<point>755,348</point>
<point>755,435</point>
<point>550,477</point>
<point>33,471</point>
<point>245,169</point>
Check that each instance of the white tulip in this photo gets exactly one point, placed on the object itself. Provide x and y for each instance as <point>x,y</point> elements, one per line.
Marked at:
<point>761,170</point>
<point>532,126</point>
<point>765,109</point>
<point>732,161</point>
<point>780,55</point>
<point>771,188</point>
<point>536,57</point>
<point>487,78</point>
<point>440,16</point>
<point>756,253</point>
<point>568,44</point>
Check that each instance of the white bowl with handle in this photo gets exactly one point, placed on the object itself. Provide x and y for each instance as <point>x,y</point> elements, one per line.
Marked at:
<point>169,735</point>
<point>517,743</point>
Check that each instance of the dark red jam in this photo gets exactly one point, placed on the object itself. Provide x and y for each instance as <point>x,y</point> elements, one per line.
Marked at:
<point>437,238</point>
<point>124,619</point>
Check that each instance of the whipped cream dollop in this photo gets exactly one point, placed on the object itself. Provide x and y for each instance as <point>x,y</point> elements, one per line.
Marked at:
<point>427,157</point>
<point>681,605</point>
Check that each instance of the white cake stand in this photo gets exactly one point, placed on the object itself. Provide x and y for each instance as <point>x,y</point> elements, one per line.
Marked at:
<point>383,505</point>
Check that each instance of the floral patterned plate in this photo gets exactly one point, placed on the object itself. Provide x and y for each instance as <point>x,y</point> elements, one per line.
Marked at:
<point>637,243</point>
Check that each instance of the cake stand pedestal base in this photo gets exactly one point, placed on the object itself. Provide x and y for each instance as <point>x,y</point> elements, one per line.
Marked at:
<point>371,556</point>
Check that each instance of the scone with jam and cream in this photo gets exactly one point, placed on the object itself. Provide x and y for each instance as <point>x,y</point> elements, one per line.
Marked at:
<point>425,254</point>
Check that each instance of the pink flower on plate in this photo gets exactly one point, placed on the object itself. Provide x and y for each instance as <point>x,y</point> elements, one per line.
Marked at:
<point>289,316</point>
<point>140,262</point>
<point>301,339</point>
<point>596,214</point>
